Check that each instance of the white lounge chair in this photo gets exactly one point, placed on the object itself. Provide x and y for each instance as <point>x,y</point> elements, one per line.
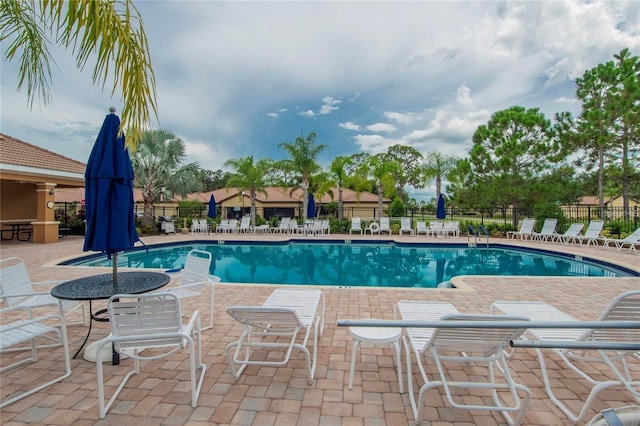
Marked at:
<point>356,225</point>
<point>283,228</point>
<point>631,241</point>
<point>473,346</point>
<point>245,225</point>
<point>570,234</point>
<point>222,226</point>
<point>194,279</point>
<point>405,226</point>
<point>152,323</point>
<point>526,229</point>
<point>592,234</point>
<point>451,228</point>
<point>625,307</point>
<point>285,314</point>
<point>27,330</point>
<point>435,228</point>
<point>548,231</point>
<point>421,228</point>
<point>199,226</point>
<point>17,290</point>
<point>384,225</point>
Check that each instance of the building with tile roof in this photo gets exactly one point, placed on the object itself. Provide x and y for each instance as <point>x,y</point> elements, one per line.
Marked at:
<point>29,178</point>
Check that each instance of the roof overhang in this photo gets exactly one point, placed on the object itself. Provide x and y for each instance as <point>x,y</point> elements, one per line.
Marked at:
<point>33,174</point>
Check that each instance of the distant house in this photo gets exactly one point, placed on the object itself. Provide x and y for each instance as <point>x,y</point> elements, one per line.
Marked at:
<point>589,206</point>
<point>30,177</point>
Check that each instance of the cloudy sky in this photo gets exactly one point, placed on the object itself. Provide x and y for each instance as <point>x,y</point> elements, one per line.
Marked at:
<point>237,78</point>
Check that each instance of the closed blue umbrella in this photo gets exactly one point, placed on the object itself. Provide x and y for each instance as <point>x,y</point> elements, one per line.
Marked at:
<point>440,211</point>
<point>212,207</point>
<point>109,194</point>
<point>311,207</point>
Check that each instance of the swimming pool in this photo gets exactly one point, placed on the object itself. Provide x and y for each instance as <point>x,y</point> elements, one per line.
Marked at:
<point>383,264</point>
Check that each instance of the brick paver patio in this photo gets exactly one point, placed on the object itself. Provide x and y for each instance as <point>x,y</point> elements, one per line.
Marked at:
<point>282,396</point>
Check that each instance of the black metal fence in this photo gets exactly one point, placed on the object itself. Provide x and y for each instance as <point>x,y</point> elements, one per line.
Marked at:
<point>71,215</point>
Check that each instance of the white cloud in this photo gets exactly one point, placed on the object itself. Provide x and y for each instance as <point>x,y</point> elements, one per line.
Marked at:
<point>375,144</point>
<point>565,100</point>
<point>307,113</point>
<point>404,117</point>
<point>273,114</point>
<point>329,104</point>
<point>382,127</point>
<point>463,95</point>
<point>350,126</point>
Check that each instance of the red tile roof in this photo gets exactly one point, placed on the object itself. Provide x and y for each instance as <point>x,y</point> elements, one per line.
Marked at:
<point>20,153</point>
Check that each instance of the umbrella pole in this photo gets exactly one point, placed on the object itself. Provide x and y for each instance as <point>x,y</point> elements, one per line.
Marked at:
<point>115,268</point>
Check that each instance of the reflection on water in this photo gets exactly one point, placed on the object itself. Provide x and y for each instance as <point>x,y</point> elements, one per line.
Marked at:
<point>373,265</point>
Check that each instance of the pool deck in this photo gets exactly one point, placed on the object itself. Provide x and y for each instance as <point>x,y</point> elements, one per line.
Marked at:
<point>282,396</point>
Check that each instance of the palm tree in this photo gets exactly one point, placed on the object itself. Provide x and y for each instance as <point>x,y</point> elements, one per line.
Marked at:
<point>437,166</point>
<point>338,171</point>
<point>249,177</point>
<point>321,184</point>
<point>158,169</point>
<point>303,152</point>
<point>108,30</point>
<point>382,171</point>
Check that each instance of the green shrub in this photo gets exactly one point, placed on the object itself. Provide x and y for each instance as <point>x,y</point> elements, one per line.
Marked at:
<point>397,208</point>
<point>550,210</point>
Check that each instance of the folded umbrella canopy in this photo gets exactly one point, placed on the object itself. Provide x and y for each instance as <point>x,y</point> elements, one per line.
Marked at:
<point>109,194</point>
<point>212,207</point>
<point>311,207</point>
<point>440,211</point>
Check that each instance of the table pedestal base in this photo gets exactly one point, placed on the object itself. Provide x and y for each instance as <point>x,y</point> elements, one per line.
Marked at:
<point>90,352</point>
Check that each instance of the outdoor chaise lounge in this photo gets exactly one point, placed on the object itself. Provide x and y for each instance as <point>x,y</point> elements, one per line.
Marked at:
<point>356,225</point>
<point>26,330</point>
<point>570,234</point>
<point>285,314</point>
<point>462,348</point>
<point>625,307</point>
<point>548,231</point>
<point>526,229</point>
<point>630,242</point>
<point>405,226</point>
<point>592,234</point>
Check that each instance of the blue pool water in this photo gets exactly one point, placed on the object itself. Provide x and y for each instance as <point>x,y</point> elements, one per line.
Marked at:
<point>374,265</point>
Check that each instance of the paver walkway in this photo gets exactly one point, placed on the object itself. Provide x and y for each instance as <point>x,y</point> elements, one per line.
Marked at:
<point>282,396</point>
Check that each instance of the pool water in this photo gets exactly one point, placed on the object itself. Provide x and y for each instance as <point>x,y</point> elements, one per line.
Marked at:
<point>372,265</point>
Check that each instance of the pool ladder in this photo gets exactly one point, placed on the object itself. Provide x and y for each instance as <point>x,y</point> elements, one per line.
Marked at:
<point>477,234</point>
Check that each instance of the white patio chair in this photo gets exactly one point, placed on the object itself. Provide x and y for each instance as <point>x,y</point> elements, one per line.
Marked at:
<point>285,314</point>
<point>405,226</point>
<point>245,225</point>
<point>526,229</point>
<point>326,226</point>
<point>222,226</point>
<point>435,228</point>
<point>192,280</point>
<point>19,331</point>
<point>625,307</point>
<point>631,241</point>
<point>152,323</point>
<point>283,228</point>
<point>356,225</point>
<point>548,231</point>
<point>199,226</point>
<point>421,228</point>
<point>384,225</point>
<point>460,346</point>
<point>451,228</point>
<point>17,290</point>
<point>592,234</point>
<point>570,234</point>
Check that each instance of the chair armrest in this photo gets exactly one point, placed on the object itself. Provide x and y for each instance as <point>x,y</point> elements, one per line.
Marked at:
<point>37,293</point>
<point>193,321</point>
<point>47,283</point>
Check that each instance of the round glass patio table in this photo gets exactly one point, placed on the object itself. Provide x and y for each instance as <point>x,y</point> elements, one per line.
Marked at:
<point>99,287</point>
